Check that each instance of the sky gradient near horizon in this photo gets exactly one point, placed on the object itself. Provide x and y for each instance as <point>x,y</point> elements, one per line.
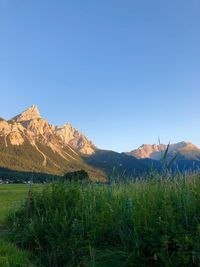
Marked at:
<point>123,72</point>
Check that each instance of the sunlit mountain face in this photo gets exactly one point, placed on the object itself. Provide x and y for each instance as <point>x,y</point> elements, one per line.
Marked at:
<point>184,149</point>
<point>29,143</point>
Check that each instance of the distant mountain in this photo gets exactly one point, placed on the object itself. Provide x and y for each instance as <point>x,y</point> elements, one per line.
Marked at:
<point>29,143</point>
<point>184,150</point>
<point>148,151</point>
<point>121,164</point>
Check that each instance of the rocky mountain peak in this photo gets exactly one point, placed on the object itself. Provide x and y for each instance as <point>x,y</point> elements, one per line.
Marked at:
<point>75,139</point>
<point>183,145</point>
<point>34,128</point>
<point>148,151</point>
<point>28,114</point>
<point>155,151</point>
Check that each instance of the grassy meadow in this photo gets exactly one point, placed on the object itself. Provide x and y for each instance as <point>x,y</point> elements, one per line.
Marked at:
<point>145,223</point>
<point>11,197</point>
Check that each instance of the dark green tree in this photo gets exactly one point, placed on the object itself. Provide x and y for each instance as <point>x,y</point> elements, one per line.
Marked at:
<point>77,176</point>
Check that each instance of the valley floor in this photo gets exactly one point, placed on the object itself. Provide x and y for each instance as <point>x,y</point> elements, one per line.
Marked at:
<point>11,195</point>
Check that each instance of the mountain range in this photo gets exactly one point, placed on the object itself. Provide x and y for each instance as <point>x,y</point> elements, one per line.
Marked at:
<point>155,152</point>
<point>29,143</point>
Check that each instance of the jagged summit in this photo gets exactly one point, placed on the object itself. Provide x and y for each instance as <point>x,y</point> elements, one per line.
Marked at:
<point>31,120</point>
<point>28,114</point>
<point>148,151</point>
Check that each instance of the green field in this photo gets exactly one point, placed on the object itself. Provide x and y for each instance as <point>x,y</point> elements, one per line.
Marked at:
<point>11,196</point>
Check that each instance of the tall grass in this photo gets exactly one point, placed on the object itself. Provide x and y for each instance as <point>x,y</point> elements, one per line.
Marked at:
<point>10,256</point>
<point>146,223</point>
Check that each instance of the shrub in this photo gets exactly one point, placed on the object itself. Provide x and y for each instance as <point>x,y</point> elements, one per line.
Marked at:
<point>78,176</point>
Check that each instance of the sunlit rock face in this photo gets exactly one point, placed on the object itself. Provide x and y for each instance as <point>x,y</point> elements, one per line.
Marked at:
<point>40,128</point>
<point>15,138</point>
<point>182,145</point>
<point>7,127</point>
<point>157,151</point>
<point>28,114</point>
<point>75,139</point>
<point>30,126</point>
<point>12,133</point>
<point>148,151</point>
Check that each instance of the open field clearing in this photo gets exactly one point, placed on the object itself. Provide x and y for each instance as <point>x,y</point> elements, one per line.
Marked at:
<point>11,196</point>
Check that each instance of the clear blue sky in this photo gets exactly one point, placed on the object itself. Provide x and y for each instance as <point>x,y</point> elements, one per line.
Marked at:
<point>123,72</point>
